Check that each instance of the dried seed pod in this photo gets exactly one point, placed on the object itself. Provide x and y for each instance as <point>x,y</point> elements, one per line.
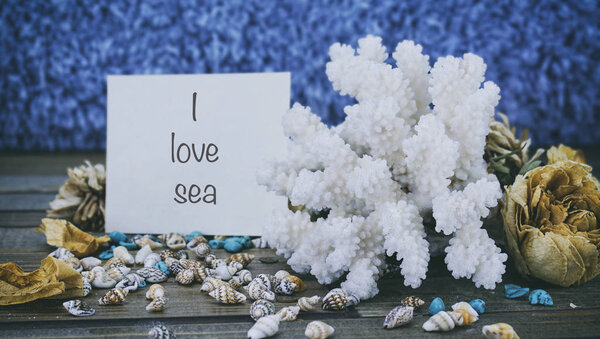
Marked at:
<point>318,330</point>
<point>261,308</point>
<point>443,321</point>
<point>227,295</point>
<point>155,291</point>
<point>161,332</point>
<point>90,262</point>
<point>151,259</point>
<point>285,287</point>
<point>152,275</point>
<point>335,300</point>
<point>211,284</point>
<point>202,250</point>
<point>131,282</point>
<point>116,296</point>
<point>264,327</point>
<point>244,258</point>
<point>118,273</point>
<point>146,240</point>
<point>157,304</point>
<point>78,308</point>
<point>141,255</point>
<point>499,331</point>
<point>289,313</point>
<point>412,301</point>
<point>123,253</point>
<point>300,285</point>
<point>307,304</point>
<point>185,277</point>
<point>400,315</point>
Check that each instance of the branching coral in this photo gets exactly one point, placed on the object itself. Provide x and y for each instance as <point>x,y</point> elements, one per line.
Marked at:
<point>412,145</point>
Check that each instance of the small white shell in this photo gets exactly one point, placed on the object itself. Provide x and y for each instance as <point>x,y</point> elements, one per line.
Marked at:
<point>400,315</point>
<point>146,240</point>
<point>224,272</point>
<point>211,284</point>
<point>261,308</point>
<point>442,321</point>
<point>155,291</point>
<point>185,277</point>
<point>61,254</point>
<point>260,243</point>
<point>309,304</point>
<point>151,259</point>
<point>227,295</point>
<point>118,273</point>
<point>87,287</point>
<point>152,275</point>
<point>99,278</point>
<point>131,282</point>
<point>121,252</point>
<point>159,303</point>
<point>499,331</point>
<point>202,250</point>
<point>318,330</point>
<point>141,255</point>
<point>243,277</point>
<point>90,262</point>
<point>161,332</point>
<point>285,287</point>
<point>115,296</point>
<point>265,327</point>
<point>256,291</point>
<point>289,313</point>
<point>78,308</point>
<point>281,274</point>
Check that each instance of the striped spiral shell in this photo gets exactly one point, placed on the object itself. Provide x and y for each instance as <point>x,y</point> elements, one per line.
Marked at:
<point>499,331</point>
<point>257,291</point>
<point>164,254</point>
<point>244,277</point>
<point>300,285</point>
<point>182,254</point>
<point>114,262</point>
<point>192,244</point>
<point>155,291</point>
<point>151,259</point>
<point>118,273</point>
<point>227,295</point>
<point>185,277</point>
<point>264,327</point>
<point>285,287</point>
<point>202,250</point>
<point>87,287</point>
<point>116,296</point>
<point>243,258</point>
<point>335,300</point>
<point>281,274</point>
<point>442,321</point>
<point>78,308</point>
<point>210,284</point>
<point>267,281</point>
<point>90,262</point>
<point>61,254</point>
<point>318,330</point>
<point>261,308</point>
<point>157,304</point>
<point>398,316</point>
<point>152,275</point>
<point>209,259</point>
<point>146,240</point>
<point>160,332</point>
<point>141,255</point>
<point>307,304</point>
<point>466,307</point>
<point>131,282</point>
<point>289,313</point>
<point>175,267</point>
<point>122,253</point>
<point>412,301</point>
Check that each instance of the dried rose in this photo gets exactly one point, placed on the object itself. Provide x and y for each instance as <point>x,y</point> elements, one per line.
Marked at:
<point>551,223</point>
<point>563,153</point>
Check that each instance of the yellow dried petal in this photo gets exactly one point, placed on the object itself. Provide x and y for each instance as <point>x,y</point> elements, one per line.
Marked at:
<point>61,233</point>
<point>563,153</point>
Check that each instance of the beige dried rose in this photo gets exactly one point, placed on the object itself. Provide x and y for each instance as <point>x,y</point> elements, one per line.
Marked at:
<point>563,153</point>
<point>551,223</point>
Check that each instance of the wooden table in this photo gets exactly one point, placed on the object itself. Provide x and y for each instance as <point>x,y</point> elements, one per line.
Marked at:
<point>29,182</point>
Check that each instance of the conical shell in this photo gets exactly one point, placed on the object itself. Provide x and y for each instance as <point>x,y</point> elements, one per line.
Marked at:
<point>121,252</point>
<point>442,321</point>
<point>164,254</point>
<point>175,267</point>
<point>289,313</point>
<point>141,255</point>
<point>235,265</point>
<point>318,330</point>
<point>151,259</point>
<point>78,308</point>
<point>227,295</point>
<point>160,332</point>
<point>335,300</point>
<point>300,285</point>
<point>285,287</point>
<point>118,273</point>
<point>243,276</point>
<point>114,262</point>
<point>90,262</point>
<point>464,318</point>
<point>467,307</point>
<point>261,308</point>
<point>116,296</point>
<point>400,315</point>
<point>281,274</point>
<point>185,277</point>
<point>210,284</point>
<point>157,304</point>
<point>152,275</point>
<point>131,282</point>
<point>267,281</point>
<point>87,287</point>
<point>192,244</point>
<point>309,304</point>
<point>244,258</point>
<point>413,301</point>
<point>257,291</point>
<point>155,291</point>
<point>209,259</point>
<point>202,250</point>
<point>146,240</point>
<point>100,279</point>
<point>499,331</point>
<point>264,327</point>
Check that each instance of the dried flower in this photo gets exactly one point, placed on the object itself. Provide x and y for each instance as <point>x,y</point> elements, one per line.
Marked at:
<point>564,153</point>
<point>550,221</point>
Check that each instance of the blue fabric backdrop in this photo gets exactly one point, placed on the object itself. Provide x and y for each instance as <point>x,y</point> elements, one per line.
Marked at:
<point>55,55</point>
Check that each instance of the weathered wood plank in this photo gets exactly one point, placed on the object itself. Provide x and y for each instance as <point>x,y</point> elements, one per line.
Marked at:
<point>25,201</point>
<point>45,163</point>
<point>22,237</point>
<point>21,218</point>
<point>31,184</point>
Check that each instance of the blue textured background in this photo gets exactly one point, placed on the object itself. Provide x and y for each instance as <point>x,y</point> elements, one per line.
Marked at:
<point>55,55</point>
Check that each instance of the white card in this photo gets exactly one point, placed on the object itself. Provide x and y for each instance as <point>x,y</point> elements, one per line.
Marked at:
<point>156,183</point>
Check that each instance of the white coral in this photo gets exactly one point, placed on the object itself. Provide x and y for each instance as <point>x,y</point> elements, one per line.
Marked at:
<point>393,161</point>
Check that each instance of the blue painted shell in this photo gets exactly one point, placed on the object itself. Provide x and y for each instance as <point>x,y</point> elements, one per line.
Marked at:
<point>192,235</point>
<point>107,254</point>
<point>216,244</point>
<point>437,305</point>
<point>232,246</point>
<point>130,245</point>
<point>478,305</point>
<point>512,291</point>
<point>162,266</point>
<point>540,297</point>
<point>116,237</point>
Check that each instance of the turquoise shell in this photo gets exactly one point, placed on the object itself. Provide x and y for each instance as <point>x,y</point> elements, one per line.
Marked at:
<point>116,237</point>
<point>478,305</point>
<point>192,235</point>
<point>216,244</point>
<point>107,254</point>
<point>512,291</point>
<point>540,297</point>
<point>437,305</point>
<point>129,245</point>
<point>162,266</point>
<point>233,246</point>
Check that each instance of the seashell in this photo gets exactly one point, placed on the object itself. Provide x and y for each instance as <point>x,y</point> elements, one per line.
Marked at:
<point>266,326</point>
<point>243,276</point>
<point>413,301</point>
<point>478,305</point>
<point>99,279</point>
<point>211,284</point>
<point>335,300</point>
<point>121,252</point>
<point>155,291</point>
<point>512,291</point>
<point>146,240</point>
<point>152,275</point>
<point>113,262</point>
<point>209,259</point>
<point>261,308</point>
<point>443,321</point>
<point>141,255</point>
<point>465,318</point>
<point>87,287</point>
<point>309,304</point>
<point>192,244</point>
<point>267,281</point>
<point>232,246</point>
<point>227,295</point>
<point>285,287</point>
<point>157,304</point>
<point>540,297</point>
<point>164,254</point>
<point>131,282</point>
<point>281,274</point>
<point>169,261</point>
<point>61,254</point>
<point>74,262</point>
<point>244,258</point>
<point>162,266</point>
<point>182,254</point>
<point>175,267</point>
<point>117,236</point>
<point>300,285</point>
<point>78,308</point>
<point>499,331</point>
<point>436,306</point>
<point>106,254</point>
<point>289,313</point>
<point>217,262</point>
<point>160,332</point>
<point>116,296</point>
<point>398,316</point>
<point>185,277</point>
<point>118,273</point>
<point>256,291</point>
<point>235,265</point>
<point>220,237</point>
<point>260,243</point>
<point>318,330</point>
<point>90,262</point>
<point>352,300</point>
<point>202,250</point>
<point>467,307</point>
<point>200,273</point>
<point>174,241</point>
<point>235,283</point>
<point>223,272</point>
<point>151,259</point>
